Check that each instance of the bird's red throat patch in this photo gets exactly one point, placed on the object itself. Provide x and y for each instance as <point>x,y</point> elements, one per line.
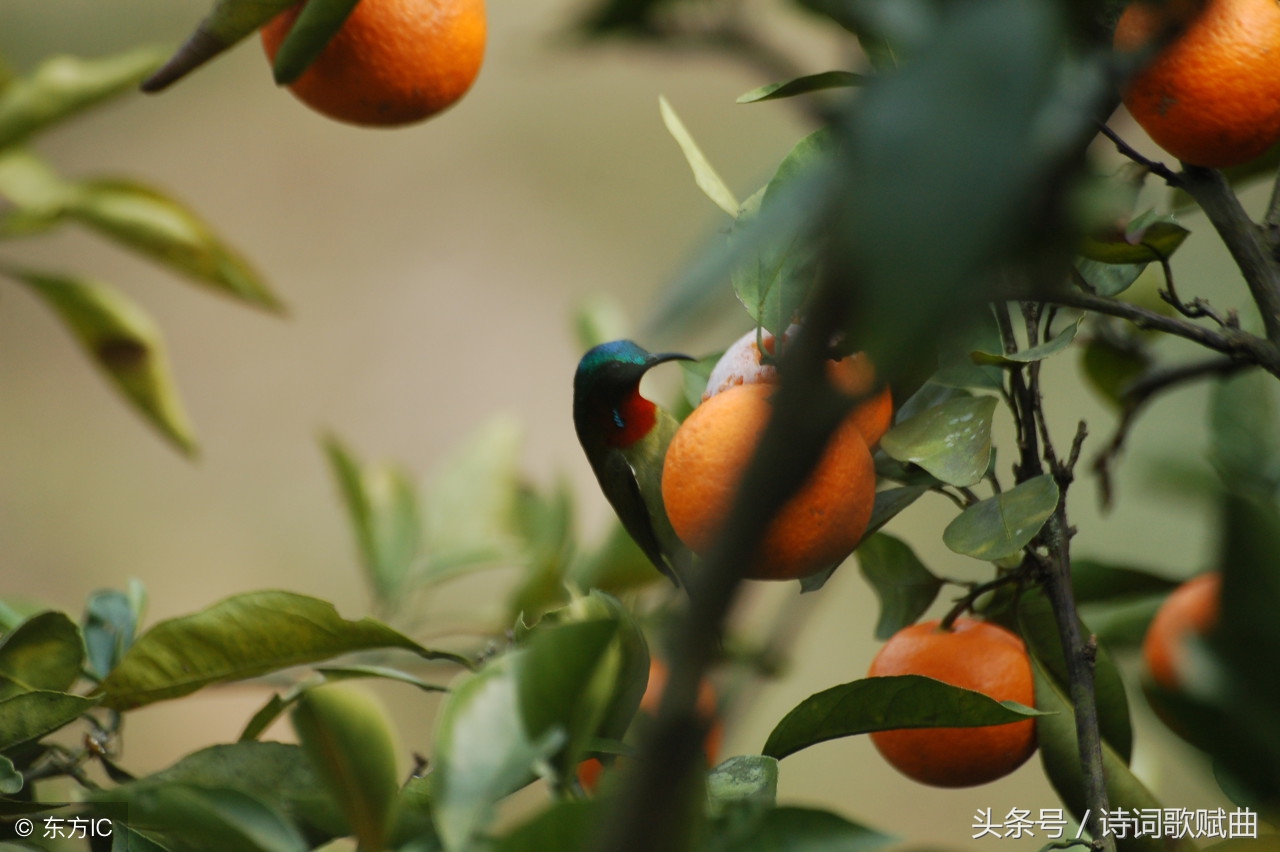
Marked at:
<point>630,420</point>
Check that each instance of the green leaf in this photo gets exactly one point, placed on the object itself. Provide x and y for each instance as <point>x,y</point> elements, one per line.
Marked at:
<point>952,440</point>
<point>1000,526</point>
<point>777,269</point>
<point>1033,353</point>
<point>11,781</point>
<point>316,24</point>
<point>142,218</point>
<point>795,829</point>
<point>212,819</point>
<point>42,653</point>
<point>1095,581</point>
<point>1060,756</point>
<point>123,340</point>
<point>1245,432</point>
<point>482,751</point>
<point>565,826</point>
<point>37,195</point>
<point>884,704</point>
<point>349,740</point>
<point>29,716</point>
<point>544,523</point>
<point>957,365</point>
<point>226,23</point>
<point>110,621</point>
<point>1121,624</point>
<point>1112,366</point>
<point>470,505</point>
<point>712,185</point>
<point>695,375</point>
<point>382,506</point>
<point>243,636</point>
<point>803,85</point>
<point>63,86</point>
<point>277,774</point>
<point>616,566</point>
<point>1038,627</point>
<point>1148,238</point>
<point>746,779</point>
<point>904,586</point>
<point>1108,279</point>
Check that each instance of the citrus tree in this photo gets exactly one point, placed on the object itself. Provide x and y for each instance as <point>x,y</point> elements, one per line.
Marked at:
<point>943,231</point>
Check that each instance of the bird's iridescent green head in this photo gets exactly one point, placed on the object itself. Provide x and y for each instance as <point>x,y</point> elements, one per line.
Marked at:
<point>616,366</point>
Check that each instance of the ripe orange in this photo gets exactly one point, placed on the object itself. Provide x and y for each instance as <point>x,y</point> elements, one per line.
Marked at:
<point>393,62</point>
<point>975,655</point>
<point>818,527</point>
<point>1191,609</point>
<point>855,375</point>
<point>1212,97</point>
<point>589,770</point>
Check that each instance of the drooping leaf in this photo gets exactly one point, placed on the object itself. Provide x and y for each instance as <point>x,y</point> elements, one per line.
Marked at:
<point>886,703</point>
<point>565,682</point>
<point>29,716</point>
<point>42,653</point>
<point>904,586</point>
<point>777,269</point>
<point>277,774</point>
<point>349,740</point>
<point>146,220</point>
<point>1108,279</point>
<point>1148,238</point>
<point>544,524</point>
<point>316,24</point>
<point>65,85</point>
<point>212,819</point>
<point>711,184</point>
<point>227,22</point>
<point>382,506</point>
<point>803,86</point>
<point>482,751</point>
<point>1033,353</point>
<point>1038,627</point>
<point>241,637</point>
<point>124,341</point>
<point>110,620</point>
<point>1060,757</point>
<point>952,440</point>
<point>1000,526</point>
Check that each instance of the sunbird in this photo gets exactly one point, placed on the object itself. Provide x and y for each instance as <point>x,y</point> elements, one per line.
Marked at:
<point>625,437</point>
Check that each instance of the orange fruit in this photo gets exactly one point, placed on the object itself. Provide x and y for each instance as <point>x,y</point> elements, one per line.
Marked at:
<point>589,770</point>
<point>975,655</point>
<point>1190,610</point>
<point>854,374</point>
<point>1212,97</point>
<point>818,527</point>
<point>393,62</point>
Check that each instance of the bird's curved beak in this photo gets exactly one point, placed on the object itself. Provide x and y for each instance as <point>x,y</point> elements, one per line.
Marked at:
<point>662,357</point>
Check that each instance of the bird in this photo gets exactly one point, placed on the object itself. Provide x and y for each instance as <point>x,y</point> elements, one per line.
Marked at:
<point>625,438</point>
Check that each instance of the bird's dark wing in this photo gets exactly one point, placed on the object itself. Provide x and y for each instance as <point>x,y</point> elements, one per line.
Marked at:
<point>629,504</point>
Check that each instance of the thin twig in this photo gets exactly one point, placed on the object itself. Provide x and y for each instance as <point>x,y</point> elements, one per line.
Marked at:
<point>1154,166</point>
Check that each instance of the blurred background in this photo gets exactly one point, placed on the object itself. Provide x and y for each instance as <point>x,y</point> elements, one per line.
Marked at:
<point>432,275</point>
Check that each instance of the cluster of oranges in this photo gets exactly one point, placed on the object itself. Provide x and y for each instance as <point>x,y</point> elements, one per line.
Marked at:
<point>393,62</point>
<point>824,521</point>
<point>1211,97</point>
